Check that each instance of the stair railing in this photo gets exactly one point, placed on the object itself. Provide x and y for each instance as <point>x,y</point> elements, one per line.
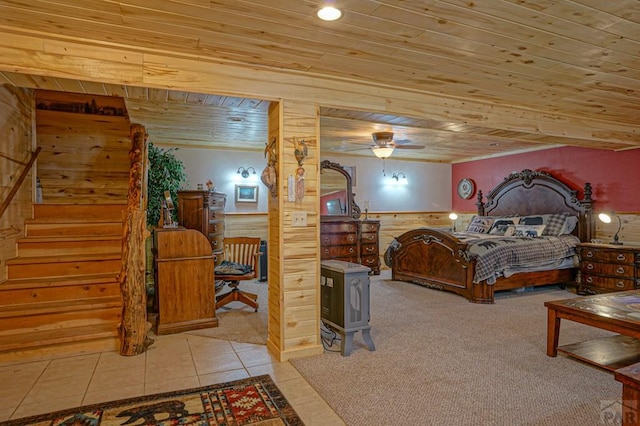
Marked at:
<point>14,190</point>
<point>134,328</point>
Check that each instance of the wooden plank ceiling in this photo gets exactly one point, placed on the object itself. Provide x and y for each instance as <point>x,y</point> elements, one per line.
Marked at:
<point>577,58</point>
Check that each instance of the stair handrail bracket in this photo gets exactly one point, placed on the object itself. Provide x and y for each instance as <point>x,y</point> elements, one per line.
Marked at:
<point>23,175</point>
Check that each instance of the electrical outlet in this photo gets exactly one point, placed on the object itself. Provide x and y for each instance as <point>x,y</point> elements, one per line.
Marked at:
<point>299,219</point>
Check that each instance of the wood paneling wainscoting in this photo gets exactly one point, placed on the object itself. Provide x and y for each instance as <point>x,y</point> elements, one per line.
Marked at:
<point>246,225</point>
<point>393,224</point>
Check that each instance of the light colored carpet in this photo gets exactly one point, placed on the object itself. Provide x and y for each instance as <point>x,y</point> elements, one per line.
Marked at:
<point>238,322</point>
<point>440,360</point>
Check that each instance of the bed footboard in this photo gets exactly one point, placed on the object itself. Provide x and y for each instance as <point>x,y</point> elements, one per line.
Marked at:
<point>435,259</point>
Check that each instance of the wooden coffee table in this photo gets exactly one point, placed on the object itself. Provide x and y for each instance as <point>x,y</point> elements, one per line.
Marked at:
<point>617,312</point>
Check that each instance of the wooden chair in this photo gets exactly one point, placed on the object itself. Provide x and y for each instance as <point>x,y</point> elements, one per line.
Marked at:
<point>245,251</point>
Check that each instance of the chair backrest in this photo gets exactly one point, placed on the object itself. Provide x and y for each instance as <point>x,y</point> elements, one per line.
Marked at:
<point>243,250</point>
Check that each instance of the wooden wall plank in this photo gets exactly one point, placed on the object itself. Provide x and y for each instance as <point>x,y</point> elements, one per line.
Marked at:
<point>16,128</point>
<point>85,156</point>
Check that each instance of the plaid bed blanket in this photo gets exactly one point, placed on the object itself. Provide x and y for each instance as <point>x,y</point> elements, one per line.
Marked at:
<point>496,254</point>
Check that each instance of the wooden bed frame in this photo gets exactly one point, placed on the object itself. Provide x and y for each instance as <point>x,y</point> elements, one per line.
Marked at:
<point>437,259</point>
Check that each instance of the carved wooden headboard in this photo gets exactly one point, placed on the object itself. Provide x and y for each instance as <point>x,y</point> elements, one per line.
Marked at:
<point>537,192</point>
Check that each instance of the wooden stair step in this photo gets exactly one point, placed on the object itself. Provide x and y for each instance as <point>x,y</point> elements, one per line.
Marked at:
<point>86,212</point>
<point>44,246</point>
<point>37,228</point>
<point>50,307</point>
<point>70,238</point>
<point>40,339</point>
<point>28,318</point>
<point>70,220</point>
<point>31,290</point>
<point>29,260</point>
<point>70,280</point>
<point>63,265</point>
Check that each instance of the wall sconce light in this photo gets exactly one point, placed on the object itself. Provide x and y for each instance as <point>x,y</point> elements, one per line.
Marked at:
<point>453,218</point>
<point>606,218</point>
<point>245,172</point>
<point>398,176</point>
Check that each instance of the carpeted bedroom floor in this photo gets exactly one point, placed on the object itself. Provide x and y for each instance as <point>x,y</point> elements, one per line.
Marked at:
<point>441,360</point>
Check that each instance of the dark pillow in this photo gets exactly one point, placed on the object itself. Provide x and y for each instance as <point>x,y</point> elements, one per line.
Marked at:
<point>532,220</point>
<point>500,225</point>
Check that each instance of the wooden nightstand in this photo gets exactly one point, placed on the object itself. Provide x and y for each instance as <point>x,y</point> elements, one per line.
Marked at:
<point>606,268</point>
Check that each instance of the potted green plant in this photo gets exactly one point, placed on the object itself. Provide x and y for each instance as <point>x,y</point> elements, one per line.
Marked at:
<point>166,173</point>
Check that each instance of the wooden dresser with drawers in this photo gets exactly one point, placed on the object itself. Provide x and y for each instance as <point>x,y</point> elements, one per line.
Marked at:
<point>351,240</point>
<point>204,211</point>
<point>606,268</point>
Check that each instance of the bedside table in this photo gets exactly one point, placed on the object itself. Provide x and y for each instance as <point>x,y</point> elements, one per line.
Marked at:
<point>607,268</point>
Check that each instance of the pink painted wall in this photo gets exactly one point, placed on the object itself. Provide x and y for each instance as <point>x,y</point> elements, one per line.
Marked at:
<point>614,176</point>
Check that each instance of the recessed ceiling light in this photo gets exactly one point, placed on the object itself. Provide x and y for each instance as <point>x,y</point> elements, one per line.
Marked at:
<point>329,13</point>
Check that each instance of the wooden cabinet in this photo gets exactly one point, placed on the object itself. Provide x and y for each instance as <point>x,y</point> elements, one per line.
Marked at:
<point>351,240</point>
<point>369,246</point>
<point>185,295</point>
<point>339,240</point>
<point>217,201</point>
<point>204,212</point>
<point>607,268</point>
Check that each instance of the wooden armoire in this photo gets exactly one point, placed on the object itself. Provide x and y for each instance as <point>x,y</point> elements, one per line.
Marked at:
<point>204,211</point>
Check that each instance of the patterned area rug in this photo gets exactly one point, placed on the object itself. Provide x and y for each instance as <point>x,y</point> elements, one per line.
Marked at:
<point>253,401</point>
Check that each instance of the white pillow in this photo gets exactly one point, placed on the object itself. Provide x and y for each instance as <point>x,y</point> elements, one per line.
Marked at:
<point>569,225</point>
<point>480,224</point>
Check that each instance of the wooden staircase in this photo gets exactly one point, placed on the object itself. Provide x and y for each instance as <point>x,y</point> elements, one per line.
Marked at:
<point>62,293</point>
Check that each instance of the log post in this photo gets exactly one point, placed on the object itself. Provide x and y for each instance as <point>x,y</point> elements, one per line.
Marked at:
<point>134,327</point>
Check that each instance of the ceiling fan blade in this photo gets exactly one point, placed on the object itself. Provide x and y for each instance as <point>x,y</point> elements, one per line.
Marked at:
<point>409,146</point>
<point>349,148</point>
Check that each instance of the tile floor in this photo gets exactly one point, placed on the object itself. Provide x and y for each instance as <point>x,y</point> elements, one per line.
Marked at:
<point>173,362</point>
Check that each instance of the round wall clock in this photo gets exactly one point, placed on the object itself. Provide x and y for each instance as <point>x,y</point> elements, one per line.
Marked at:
<point>466,187</point>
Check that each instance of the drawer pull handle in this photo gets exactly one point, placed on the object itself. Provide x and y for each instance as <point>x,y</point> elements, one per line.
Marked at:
<point>589,254</point>
<point>351,238</point>
<point>620,270</point>
<point>370,237</point>
<point>351,249</point>
<point>621,256</point>
<point>589,265</point>
<point>589,280</point>
<point>620,284</point>
<point>325,240</point>
<point>369,249</point>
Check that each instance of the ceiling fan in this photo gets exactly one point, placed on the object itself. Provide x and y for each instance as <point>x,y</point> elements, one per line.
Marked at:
<point>384,144</point>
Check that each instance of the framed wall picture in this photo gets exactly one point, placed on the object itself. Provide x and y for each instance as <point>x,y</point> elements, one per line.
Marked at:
<point>246,193</point>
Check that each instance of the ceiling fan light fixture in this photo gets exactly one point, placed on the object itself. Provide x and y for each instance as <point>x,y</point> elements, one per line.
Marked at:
<point>382,151</point>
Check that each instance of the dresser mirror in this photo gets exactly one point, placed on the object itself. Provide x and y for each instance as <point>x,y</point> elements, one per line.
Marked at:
<point>336,196</point>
